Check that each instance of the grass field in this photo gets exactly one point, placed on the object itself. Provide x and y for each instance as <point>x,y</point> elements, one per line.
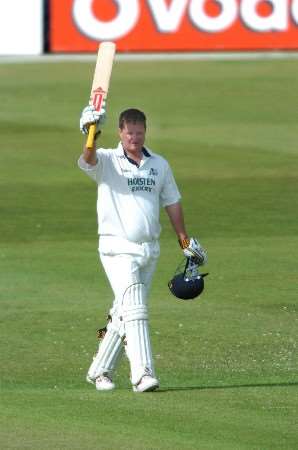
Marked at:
<point>227,362</point>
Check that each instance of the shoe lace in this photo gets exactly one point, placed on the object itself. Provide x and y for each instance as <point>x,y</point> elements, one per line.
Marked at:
<point>105,377</point>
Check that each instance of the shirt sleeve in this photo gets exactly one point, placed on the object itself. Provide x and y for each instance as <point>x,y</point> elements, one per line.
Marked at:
<point>169,193</point>
<point>93,172</point>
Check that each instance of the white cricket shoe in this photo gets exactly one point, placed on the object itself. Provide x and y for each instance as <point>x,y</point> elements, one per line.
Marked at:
<point>147,384</point>
<point>102,383</point>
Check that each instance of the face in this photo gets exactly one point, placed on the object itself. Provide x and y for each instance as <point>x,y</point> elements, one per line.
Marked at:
<point>133,137</point>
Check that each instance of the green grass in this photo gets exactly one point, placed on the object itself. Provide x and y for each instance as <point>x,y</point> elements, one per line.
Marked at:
<point>227,362</point>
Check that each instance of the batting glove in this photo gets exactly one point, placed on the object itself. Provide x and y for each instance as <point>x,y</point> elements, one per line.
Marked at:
<point>193,249</point>
<point>90,115</point>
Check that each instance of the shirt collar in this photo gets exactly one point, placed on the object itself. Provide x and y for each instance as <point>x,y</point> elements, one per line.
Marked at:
<point>144,150</point>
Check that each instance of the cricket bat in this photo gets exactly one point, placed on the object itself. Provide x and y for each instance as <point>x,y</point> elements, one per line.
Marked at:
<point>101,81</point>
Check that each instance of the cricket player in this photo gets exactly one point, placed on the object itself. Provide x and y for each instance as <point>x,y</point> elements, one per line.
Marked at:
<point>133,184</point>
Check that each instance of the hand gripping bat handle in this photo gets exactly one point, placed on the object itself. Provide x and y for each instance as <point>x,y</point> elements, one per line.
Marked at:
<point>91,136</point>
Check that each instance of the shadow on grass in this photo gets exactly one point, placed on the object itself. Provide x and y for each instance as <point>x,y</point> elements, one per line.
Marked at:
<point>232,386</point>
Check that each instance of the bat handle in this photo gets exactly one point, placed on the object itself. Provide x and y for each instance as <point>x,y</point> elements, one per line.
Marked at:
<point>91,136</point>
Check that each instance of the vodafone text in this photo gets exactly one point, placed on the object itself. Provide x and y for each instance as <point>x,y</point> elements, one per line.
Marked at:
<point>167,17</point>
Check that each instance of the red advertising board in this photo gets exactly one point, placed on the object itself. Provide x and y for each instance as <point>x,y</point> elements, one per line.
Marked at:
<point>174,25</point>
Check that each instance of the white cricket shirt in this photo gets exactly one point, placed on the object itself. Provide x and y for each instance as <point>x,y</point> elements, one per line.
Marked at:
<point>130,197</point>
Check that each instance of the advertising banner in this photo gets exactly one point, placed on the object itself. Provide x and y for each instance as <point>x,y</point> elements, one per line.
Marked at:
<point>174,25</point>
<point>21,27</point>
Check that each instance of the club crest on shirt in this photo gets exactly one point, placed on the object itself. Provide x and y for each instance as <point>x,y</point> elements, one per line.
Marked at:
<point>153,172</point>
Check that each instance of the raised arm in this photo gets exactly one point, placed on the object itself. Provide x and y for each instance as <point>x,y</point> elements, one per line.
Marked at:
<point>91,116</point>
<point>89,155</point>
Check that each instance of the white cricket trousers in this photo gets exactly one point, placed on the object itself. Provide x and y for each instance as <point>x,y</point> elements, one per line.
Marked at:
<point>129,267</point>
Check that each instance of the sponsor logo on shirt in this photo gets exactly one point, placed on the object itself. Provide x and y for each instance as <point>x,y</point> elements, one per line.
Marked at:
<point>140,184</point>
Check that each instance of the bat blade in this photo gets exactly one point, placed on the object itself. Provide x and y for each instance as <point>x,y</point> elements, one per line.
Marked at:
<point>101,81</point>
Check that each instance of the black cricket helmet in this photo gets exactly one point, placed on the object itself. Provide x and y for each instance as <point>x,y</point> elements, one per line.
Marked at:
<point>187,282</point>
